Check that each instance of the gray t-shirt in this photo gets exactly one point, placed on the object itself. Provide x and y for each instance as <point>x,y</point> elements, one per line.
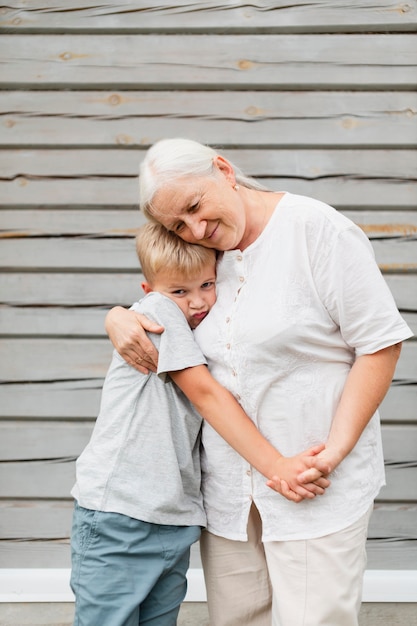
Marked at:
<point>143,458</point>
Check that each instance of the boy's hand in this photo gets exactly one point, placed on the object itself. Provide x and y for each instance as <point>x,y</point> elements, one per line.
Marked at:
<point>327,460</point>
<point>302,476</point>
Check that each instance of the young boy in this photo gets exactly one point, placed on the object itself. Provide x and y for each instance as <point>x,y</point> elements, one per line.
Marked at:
<point>138,505</point>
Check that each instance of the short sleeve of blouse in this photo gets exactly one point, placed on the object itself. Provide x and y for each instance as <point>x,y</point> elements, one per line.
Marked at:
<point>356,295</point>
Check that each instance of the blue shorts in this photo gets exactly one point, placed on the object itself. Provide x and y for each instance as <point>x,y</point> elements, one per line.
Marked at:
<point>126,572</point>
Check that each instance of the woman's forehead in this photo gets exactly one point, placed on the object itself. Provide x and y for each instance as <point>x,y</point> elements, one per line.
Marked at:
<point>174,197</point>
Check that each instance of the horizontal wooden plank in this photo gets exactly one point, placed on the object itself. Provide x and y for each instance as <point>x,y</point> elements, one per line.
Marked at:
<point>70,254</point>
<point>400,404</point>
<point>51,519</point>
<point>28,441</point>
<point>393,521</point>
<point>35,440</point>
<point>72,399</point>
<point>43,519</point>
<point>80,399</point>
<point>274,62</point>
<point>55,321</point>
<point>344,190</point>
<point>220,118</point>
<point>38,479</point>
<point>54,479</point>
<point>56,553</point>
<point>108,289</point>
<point>89,289</point>
<point>391,555</point>
<point>68,16</point>
<point>121,223</point>
<point>400,444</point>
<point>119,254</point>
<point>50,360</point>
<point>77,322</point>
<point>399,284</point>
<point>401,484</point>
<point>310,164</point>
<point>111,222</point>
<point>54,359</point>
<point>35,553</point>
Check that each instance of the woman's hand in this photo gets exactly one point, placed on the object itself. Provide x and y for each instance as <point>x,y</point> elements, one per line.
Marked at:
<point>303,476</point>
<point>126,330</point>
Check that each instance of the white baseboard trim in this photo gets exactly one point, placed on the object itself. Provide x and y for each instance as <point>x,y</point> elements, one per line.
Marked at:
<point>52,585</point>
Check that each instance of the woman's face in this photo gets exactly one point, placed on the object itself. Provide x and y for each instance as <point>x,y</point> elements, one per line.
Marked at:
<point>205,210</point>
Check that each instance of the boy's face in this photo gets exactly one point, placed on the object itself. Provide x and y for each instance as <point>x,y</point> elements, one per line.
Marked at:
<point>195,296</point>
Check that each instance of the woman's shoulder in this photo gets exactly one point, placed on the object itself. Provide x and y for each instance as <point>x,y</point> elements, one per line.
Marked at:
<point>314,212</point>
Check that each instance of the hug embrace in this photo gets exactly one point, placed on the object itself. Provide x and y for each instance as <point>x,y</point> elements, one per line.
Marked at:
<point>290,365</point>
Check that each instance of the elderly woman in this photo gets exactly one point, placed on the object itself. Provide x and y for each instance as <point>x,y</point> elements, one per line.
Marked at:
<point>306,335</point>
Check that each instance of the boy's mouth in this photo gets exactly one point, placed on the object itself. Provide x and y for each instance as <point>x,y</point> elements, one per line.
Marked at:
<point>200,316</point>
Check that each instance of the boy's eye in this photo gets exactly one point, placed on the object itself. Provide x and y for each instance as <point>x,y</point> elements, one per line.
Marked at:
<point>178,292</point>
<point>208,285</point>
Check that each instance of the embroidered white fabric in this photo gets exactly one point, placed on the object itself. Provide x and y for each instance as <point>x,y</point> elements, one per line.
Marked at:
<point>294,309</point>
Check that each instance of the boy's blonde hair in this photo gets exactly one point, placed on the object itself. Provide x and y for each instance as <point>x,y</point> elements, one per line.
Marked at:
<point>160,250</point>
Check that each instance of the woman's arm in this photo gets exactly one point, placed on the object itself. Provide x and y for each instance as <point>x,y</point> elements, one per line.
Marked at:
<point>220,409</point>
<point>126,330</point>
<point>365,388</point>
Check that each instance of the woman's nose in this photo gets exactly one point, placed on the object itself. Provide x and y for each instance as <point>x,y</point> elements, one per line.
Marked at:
<point>197,228</point>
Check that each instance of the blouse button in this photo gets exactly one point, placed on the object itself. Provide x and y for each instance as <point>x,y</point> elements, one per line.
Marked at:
<point>239,258</point>
<point>241,278</point>
<point>227,320</point>
<point>228,346</point>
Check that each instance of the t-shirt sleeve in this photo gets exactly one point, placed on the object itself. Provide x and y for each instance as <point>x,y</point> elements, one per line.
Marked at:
<point>176,345</point>
<point>357,296</point>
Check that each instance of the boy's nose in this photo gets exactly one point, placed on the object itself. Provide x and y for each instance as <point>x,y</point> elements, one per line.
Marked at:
<point>197,301</point>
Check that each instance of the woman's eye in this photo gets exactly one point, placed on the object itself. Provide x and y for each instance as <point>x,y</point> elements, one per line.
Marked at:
<point>178,227</point>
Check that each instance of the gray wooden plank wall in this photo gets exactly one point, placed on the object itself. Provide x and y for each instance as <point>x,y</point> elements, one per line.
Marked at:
<point>317,98</point>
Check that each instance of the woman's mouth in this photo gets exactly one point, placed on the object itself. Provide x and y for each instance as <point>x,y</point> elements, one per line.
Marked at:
<point>213,231</point>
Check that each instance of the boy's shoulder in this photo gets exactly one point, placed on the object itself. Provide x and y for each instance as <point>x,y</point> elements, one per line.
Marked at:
<point>153,301</point>
<point>160,309</point>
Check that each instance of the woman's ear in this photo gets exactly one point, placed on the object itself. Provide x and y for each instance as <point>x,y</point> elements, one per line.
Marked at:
<point>224,168</point>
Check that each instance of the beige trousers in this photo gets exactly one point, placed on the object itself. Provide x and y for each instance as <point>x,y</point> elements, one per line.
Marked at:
<point>315,582</point>
<point>236,576</point>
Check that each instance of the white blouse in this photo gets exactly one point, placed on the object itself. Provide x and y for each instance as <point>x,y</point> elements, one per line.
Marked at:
<point>294,309</point>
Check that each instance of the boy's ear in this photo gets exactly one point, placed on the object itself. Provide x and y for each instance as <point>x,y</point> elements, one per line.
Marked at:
<point>146,287</point>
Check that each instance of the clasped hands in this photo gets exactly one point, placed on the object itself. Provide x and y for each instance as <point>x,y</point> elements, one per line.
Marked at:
<point>303,476</point>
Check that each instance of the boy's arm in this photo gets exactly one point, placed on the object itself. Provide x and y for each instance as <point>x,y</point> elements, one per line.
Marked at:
<point>220,409</point>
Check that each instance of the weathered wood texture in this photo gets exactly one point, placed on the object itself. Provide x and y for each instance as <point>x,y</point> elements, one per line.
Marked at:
<point>250,118</point>
<point>209,61</point>
<point>68,16</point>
<point>317,98</point>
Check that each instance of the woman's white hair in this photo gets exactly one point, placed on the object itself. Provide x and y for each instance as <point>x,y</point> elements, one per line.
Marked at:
<point>170,159</point>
